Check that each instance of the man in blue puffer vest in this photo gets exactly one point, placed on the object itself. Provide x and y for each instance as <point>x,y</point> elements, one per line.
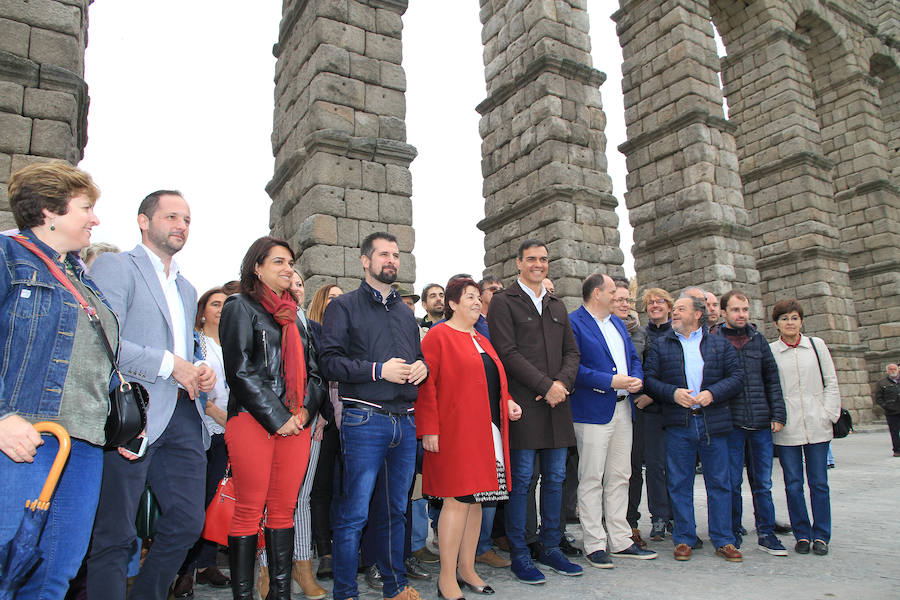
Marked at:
<point>756,412</point>
<point>694,376</point>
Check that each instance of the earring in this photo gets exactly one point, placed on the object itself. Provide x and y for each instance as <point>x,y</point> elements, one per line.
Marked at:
<point>203,319</point>
<point>52,224</point>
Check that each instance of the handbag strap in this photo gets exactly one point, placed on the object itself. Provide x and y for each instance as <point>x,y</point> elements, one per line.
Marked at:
<point>88,309</point>
<point>818,360</point>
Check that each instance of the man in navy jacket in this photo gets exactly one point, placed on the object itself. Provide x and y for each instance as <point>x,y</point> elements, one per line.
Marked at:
<point>610,370</point>
<point>694,376</point>
<point>757,411</point>
<point>370,346</point>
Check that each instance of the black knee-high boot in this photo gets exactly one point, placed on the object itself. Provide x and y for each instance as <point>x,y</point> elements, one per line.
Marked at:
<point>280,552</point>
<point>241,561</point>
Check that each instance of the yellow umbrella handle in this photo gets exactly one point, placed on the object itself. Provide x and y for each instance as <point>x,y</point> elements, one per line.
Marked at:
<point>65,446</point>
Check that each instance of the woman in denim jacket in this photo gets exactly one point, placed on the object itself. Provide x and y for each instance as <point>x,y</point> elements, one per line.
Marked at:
<point>52,368</point>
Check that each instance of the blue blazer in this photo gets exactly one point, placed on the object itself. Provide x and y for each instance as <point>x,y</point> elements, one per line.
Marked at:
<point>594,399</point>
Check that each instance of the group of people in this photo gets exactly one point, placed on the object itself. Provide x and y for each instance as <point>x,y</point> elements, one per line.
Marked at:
<point>326,416</point>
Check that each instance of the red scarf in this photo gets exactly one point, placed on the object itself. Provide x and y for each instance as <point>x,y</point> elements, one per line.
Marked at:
<point>293,363</point>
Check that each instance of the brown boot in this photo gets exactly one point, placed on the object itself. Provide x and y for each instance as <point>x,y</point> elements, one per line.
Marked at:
<point>303,575</point>
<point>262,582</point>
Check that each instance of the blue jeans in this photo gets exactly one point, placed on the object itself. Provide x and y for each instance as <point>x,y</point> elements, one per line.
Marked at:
<point>487,525</point>
<point>379,453</point>
<point>71,513</point>
<point>553,472</point>
<point>419,524</point>
<point>682,445</point>
<point>759,443</point>
<point>791,458</point>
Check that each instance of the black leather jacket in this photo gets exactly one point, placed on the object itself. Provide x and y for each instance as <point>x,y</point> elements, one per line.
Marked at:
<point>251,348</point>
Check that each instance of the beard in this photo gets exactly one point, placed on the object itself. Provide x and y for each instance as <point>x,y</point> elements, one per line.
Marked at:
<point>385,276</point>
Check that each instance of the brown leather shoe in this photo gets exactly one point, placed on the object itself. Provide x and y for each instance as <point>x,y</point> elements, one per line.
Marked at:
<point>730,553</point>
<point>303,575</point>
<point>492,559</point>
<point>406,593</point>
<point>637,539</point>
<point>502,542</point>
<point>682,552</point>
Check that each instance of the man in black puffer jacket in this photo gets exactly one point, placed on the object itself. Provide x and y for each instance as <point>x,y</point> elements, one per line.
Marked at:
<point>694,376</point>
<point>756,412</point>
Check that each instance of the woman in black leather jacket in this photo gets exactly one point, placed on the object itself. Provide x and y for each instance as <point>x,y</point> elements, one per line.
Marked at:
<point>275,389</point>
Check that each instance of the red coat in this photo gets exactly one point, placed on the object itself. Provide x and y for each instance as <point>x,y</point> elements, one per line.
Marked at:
<point>453,404</point>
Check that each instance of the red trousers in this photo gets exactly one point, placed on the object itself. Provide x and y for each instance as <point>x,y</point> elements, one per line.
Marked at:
<point>267,471</point>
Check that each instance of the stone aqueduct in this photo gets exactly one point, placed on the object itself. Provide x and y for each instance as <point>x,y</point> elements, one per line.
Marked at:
<point>794,193</point>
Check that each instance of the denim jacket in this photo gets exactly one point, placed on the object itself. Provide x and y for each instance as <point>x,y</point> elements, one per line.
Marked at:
<point>38,317</point>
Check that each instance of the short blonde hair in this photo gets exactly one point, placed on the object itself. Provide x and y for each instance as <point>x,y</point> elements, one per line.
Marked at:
<point>47,185</point>
<point>656,293</point>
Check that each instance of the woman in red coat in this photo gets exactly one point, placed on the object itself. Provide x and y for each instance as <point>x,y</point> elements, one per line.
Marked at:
<point>461,416</point>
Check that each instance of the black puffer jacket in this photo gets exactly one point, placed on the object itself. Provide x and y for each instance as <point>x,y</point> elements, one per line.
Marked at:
<point>251,348</point>
<point>760,401</point>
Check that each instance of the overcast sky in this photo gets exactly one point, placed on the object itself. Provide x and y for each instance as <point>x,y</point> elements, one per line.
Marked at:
<point>182,97</point>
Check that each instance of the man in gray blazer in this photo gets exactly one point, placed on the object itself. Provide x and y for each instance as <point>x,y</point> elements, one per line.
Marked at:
<point>156,307</point>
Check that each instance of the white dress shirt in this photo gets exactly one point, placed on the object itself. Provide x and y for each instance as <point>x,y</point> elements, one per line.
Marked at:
<point>616,346</point>
<point>537,300</point>
<point>176,313</point>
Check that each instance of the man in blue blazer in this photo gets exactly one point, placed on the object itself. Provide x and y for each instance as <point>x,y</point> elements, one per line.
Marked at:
<point>156,307</point>
<point>609,372</point>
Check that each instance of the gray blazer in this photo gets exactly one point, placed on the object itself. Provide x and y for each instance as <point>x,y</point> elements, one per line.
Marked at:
<point>130,283</point>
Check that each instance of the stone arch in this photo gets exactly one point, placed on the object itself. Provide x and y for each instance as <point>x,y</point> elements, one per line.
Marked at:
<point>887,72</point>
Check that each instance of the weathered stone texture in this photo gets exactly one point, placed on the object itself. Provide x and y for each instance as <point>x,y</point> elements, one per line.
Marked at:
<point>795,195</point>
<point>43,98</point>
<point>341,161</point>
<point>543,148</point>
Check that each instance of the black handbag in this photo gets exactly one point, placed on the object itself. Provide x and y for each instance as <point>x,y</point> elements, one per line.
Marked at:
<point>126,416</point>
<point>844,425</point>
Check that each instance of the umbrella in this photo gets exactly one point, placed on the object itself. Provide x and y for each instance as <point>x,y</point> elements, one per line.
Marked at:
<point>20,555</point>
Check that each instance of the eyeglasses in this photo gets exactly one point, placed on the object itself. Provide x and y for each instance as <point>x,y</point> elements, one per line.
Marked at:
<point>493,288</point>
<point>656,301</point>
<point>626,300</point>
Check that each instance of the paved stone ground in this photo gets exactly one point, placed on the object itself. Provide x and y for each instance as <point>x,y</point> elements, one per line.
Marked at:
<point>863,561</point>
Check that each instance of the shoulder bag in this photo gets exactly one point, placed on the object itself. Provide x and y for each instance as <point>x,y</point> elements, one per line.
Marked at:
<point>126,416</point>
<point>844,425</point>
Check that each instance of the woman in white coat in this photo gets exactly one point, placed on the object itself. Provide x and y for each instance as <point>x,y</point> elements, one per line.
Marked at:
<point>813,402</point>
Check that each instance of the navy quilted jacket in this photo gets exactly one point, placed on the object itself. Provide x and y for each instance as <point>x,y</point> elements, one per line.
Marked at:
<point>722,376</point>
<point>760,401</point>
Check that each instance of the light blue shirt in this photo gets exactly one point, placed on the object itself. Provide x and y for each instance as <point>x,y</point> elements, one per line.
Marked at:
<point>537,300</point>
<point>693,360</point>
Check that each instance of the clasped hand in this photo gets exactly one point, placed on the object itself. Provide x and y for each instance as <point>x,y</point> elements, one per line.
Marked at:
<point>397,371</point>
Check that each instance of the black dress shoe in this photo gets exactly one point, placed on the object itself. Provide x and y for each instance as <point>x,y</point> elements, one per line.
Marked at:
<point>442,596</point>
<point>478,589</point>
<point>374,579</point>
<point>802,547</point>
<point>782,528</point>
<point>184,586</point>
<point>820,547</point>
<point>213,577</point>
<point>415,570</point>
<point>567,548</point>
<point>325,571</point>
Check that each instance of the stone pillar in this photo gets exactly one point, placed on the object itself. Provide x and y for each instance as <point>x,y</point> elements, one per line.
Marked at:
<point>684,192</point>
<point>339,139</point>
<point>543,149</point>
<point>789,192</point>
<point>43,97</point>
